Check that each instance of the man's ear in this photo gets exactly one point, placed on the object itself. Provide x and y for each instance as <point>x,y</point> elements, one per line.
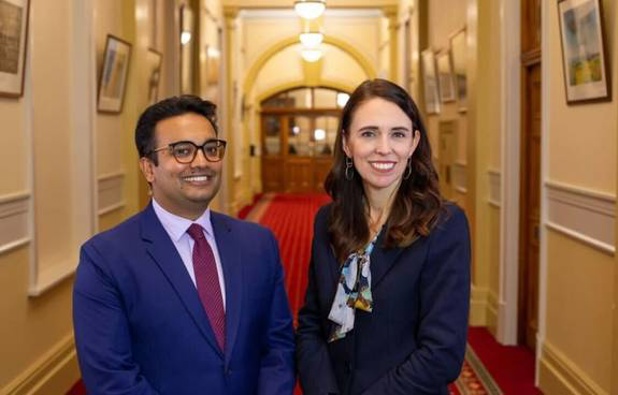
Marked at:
<point>146,166</point>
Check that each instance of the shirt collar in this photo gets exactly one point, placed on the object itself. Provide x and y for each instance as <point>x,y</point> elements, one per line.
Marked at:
<point>177,226</point>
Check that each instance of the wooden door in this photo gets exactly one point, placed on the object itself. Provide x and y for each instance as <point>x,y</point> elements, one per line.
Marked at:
<point>530,178</point>
<point>530,209</point>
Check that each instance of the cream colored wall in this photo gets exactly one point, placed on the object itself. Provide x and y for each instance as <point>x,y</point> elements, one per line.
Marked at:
<point>17,149</point>
<point>581,137</point>
<point>579,316</point>
<point>49,151</point>
<point>487,148</point>
<point>580,304</point>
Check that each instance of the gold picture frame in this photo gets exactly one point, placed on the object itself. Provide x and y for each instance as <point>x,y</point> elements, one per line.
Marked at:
<point>114,74</point>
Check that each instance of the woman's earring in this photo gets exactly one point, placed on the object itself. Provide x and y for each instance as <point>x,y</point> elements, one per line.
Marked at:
<point>349,169</point>
<point>408,172</point>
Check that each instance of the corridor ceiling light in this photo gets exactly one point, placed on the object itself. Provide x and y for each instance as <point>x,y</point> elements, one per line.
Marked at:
<point>311,54</point>
<point>309,9</point>
<point>311,39</point>
<point>185,37</point>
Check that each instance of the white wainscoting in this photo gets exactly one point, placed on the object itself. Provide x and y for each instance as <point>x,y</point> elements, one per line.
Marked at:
<point>110,193</point>
<point>495,193</point>
<point>585,215</point>
<point>14,220</point>
<point>460,177</point>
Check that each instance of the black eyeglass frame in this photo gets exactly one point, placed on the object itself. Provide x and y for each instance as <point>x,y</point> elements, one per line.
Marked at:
<point>218,143</point>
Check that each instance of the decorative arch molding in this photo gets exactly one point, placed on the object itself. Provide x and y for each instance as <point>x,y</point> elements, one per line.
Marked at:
<point>300,84</point>
<point>361,59</point>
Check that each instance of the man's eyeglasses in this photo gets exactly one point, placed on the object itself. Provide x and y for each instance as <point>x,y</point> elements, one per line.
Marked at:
<point>184,151</point>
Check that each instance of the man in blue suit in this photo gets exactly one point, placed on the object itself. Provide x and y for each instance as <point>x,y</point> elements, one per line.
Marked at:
<point>142,317</point>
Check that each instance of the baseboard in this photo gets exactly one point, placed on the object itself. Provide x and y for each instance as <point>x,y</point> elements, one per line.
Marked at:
<point>54,373</point>
<point>559,375</point>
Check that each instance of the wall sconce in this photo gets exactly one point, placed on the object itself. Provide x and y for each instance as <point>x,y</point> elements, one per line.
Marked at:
<point>311,54</point>
<point>311,39</point>
<point>309,9</point>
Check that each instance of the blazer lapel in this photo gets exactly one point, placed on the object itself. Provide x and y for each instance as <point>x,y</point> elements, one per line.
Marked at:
<point>382,260</point>
<point>231,261</point>
<point>163,252</point>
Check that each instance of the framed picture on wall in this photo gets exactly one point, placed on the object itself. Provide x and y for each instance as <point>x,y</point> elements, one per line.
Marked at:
<point>153,60</point>
<point>445,76</point>
<point>458,58</point>
<point>586,77</point>
<point>113,79</point>
<point>430,82</point>
<point>13,36</point>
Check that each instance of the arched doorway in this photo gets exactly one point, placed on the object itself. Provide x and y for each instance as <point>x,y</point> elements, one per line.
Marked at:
<point>299,127</point>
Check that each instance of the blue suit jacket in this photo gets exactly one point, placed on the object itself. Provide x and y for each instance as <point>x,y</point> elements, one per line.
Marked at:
<point>140,327</point>
<point>413,342</point>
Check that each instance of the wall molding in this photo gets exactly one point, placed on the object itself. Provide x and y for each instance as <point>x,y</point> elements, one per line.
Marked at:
<point>48,277</point>
<point>460,177</point>
<point>495,193</point>
<point>563,373</point>
<point>56,364</point>
<point>110,190</point>
<point>585,215</point>
<point>15,215</point>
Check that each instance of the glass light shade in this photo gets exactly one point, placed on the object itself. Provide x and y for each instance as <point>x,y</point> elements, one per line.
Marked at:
<point>311,39</point>
<point>309,9</point>
<point>185,37</point>
<point>311,54</point>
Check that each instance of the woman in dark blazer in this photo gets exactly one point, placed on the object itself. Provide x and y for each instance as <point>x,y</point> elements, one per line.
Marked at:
<point>386,308</point>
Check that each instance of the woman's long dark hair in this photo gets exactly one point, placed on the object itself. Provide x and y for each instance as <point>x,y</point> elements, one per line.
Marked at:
<point>418,201</point>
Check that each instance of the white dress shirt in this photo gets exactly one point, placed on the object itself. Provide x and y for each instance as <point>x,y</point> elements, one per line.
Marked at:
<point>176,227</point>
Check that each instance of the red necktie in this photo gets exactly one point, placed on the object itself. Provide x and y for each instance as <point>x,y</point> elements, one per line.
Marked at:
<point>207,281</point>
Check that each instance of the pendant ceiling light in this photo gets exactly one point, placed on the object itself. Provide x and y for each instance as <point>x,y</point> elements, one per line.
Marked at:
<point>309,9</point>
<point>311,54</point>
<point>311,39</point>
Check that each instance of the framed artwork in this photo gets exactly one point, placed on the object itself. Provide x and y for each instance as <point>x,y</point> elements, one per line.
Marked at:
<point>586,77</point>
<point>153,60</point>
<point>458,58</point>
<point>430,82</point>
<point>13,38</point>
<point>445,76</point>
<point>113,79</point>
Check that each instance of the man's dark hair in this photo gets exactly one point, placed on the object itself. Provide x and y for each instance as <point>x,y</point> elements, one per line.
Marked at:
<point>167,108</point>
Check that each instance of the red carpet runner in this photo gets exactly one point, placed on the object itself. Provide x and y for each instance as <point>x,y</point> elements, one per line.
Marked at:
<point>290,217</point>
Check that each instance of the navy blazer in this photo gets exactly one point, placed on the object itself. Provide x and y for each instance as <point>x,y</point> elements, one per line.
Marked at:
<point>414,340</point>
<point>140,327</point>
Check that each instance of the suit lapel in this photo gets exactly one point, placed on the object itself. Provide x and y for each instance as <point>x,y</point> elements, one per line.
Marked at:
<point>163,252</point>
<point>229,253</point>
<point>382,260</point>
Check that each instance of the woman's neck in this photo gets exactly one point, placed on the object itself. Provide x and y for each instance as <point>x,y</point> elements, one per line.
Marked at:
<point>378,209</point>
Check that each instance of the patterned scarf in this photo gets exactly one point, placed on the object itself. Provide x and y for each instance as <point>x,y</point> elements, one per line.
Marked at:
<point>353,291</point>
